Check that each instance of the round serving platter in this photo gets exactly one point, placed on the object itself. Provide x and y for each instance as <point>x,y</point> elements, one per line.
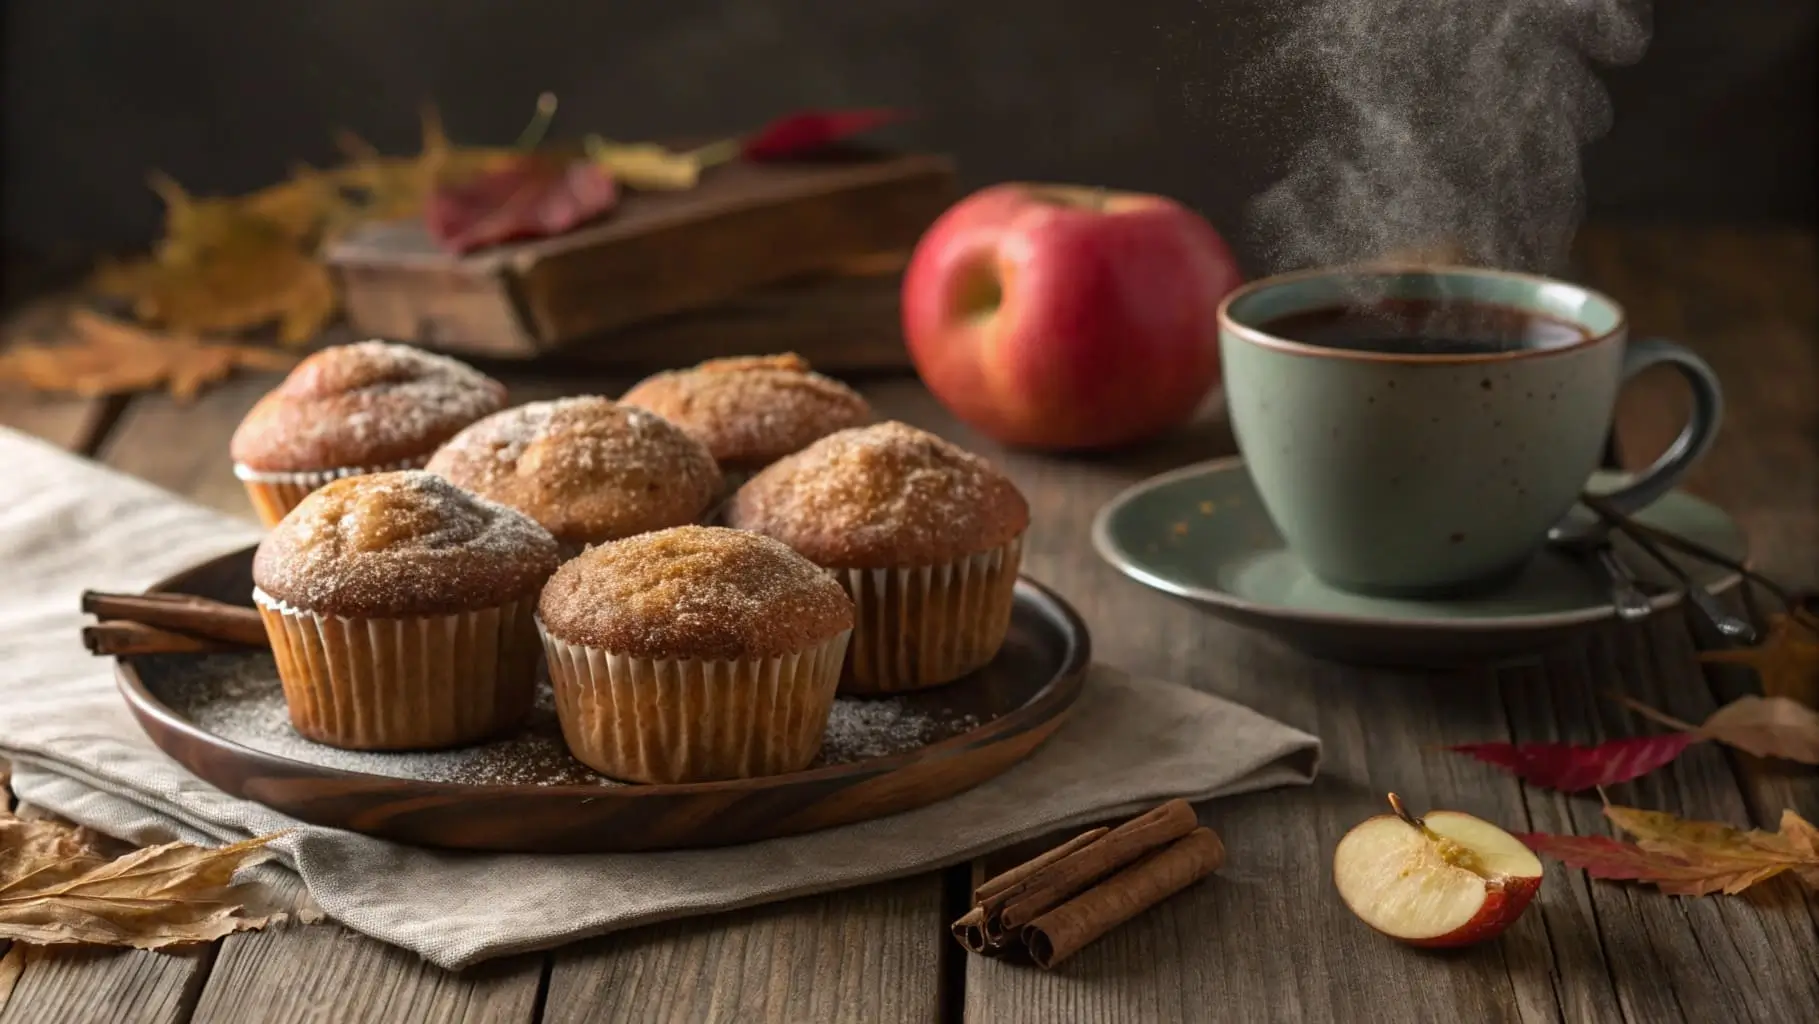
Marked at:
<point>222,717</point>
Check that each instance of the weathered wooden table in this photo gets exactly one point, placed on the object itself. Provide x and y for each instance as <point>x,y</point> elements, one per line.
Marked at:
<point>1267,939</point>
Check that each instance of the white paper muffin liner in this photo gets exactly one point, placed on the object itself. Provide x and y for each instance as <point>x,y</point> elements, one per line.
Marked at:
<point>928,625</point>
<point>401,684</point>
<point>686,720</point>
<point>275,494</point>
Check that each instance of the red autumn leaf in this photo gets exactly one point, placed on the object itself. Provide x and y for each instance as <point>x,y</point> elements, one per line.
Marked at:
<point>534,196</point>
<point>1571,768</point>
<point>804,132</point>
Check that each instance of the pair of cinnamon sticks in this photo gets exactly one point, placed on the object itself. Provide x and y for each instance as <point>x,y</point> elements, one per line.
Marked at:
<point>167,624</point>
<point>1055,905</point>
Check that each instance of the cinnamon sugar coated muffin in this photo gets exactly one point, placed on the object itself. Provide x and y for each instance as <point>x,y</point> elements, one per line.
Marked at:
<point>752,410</point>
<point>401,611</point>
<point>352,409</point>
<point>694,653</point>
<point>926,538</point>
<point>588,469</point>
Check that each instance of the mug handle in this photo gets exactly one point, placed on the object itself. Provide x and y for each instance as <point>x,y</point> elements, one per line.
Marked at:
<point>1695,438</point>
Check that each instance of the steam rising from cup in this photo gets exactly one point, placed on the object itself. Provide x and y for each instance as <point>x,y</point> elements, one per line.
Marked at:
<point>1448,130</point>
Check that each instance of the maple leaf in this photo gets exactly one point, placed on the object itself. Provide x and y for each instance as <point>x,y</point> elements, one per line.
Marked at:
<point>56,888</point>
<point>1787,659</point>
<point>806,132</point>
<point>113,357</point>
<point>1570,768</point>
<point>535,196</point>
<point>226,265</point>
<point>1687,858</point>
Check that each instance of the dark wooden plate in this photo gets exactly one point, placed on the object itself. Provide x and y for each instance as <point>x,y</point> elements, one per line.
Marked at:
<point>221,716</point>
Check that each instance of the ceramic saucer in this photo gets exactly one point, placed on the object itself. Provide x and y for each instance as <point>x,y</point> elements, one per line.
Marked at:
<point>1202,533</point>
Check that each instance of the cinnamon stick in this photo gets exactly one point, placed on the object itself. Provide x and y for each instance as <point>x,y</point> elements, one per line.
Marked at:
<point>1070,927</point>
<point>181,613</point>
<point>118,638</point>
<point>1007,911</point>
<point>1004,880</point>
<point>969,928</point>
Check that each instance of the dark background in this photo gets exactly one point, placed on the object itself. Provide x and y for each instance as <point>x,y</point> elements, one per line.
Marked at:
<point>1715,123</point>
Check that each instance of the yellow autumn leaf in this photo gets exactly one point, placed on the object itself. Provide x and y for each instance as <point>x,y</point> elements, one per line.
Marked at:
<point>1730,859</point>
<point>649,166</point>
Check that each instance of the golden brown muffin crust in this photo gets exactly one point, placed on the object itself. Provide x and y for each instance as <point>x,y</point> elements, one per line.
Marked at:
<point>398,545</point>
<point>882,496</point>
<point>372,403</point>
<point>701,592</point>
<point>752,410</point>
<point>588,469</point>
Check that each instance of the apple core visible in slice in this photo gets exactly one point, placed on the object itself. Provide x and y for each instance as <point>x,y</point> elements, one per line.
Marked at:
<point>1444,880</point>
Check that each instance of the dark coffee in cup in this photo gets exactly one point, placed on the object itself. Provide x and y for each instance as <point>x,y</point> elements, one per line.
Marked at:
<point>1425,327</point>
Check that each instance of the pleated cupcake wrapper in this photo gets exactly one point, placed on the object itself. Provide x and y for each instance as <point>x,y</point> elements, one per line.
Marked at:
<point>928,625</point>
<point>687,720</point>
<point>410,683</point>
<point>275,494</point>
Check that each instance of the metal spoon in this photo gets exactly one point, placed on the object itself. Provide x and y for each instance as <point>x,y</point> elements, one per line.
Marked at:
<point>1727,624</point>
<point>1626,597</point>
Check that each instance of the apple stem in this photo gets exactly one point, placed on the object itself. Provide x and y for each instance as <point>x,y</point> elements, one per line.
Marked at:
<point>1402,812</point>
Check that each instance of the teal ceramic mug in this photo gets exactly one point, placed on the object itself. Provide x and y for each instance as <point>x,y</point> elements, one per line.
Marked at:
<point>1428,461</point>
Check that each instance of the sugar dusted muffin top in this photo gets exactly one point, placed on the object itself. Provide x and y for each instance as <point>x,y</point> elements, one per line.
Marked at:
<point>586,468</point>
<point>699,592</point>
<point>882,496</point>
<point>369,404</point>
<point>403,544</point>
<point>752,410</point>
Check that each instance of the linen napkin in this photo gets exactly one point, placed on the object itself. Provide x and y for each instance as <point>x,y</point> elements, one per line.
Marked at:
<point>1128,744</point>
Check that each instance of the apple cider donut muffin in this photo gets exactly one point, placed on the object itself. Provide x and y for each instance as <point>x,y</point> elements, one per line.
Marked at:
<point>401,610</point>
<point>926,538</point>
<point>751,411</point>
<point>352,409</point>
<point>590,470</point>
<point>692,654</point>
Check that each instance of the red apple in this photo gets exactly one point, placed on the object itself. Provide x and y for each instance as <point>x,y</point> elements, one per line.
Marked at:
<point>1444,879</point>
<point>1057,316</point>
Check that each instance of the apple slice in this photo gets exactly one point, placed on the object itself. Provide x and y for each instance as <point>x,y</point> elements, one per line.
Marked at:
<point>1447,879</point>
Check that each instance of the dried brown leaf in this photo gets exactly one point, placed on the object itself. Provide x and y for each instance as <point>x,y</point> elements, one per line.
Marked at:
<point>40,853</point>
<point>1767,727</point>
<point>110,356</point>
<point>55,889</point>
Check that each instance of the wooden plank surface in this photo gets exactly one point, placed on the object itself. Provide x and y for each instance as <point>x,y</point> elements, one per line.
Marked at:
<point>869,954</point>
<point>1267,938</point>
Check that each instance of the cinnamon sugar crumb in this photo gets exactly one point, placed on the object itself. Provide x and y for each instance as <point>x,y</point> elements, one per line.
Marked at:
<point>697,592</point>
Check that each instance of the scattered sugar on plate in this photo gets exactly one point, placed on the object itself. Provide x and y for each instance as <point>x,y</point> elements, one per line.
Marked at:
<point>238,698</point>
